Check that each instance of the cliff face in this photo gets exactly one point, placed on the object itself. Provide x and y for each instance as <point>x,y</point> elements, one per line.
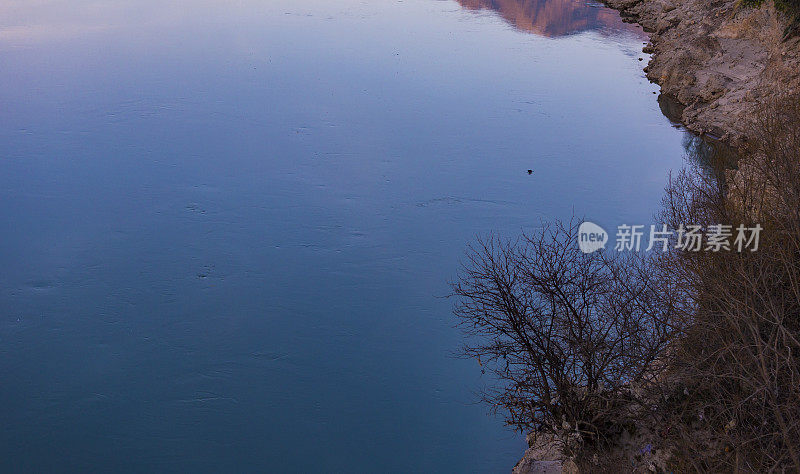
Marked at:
<point>716,59</point>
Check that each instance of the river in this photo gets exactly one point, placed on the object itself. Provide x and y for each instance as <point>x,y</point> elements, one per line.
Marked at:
<point>229,227</point>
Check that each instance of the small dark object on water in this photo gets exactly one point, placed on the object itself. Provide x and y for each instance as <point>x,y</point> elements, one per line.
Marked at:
<point>530,171</point>
<point>641,59</point>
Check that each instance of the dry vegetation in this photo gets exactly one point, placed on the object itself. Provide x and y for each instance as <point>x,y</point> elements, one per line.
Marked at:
<point>736,367</point>
<point>789,8</point>
<point>700,350</point>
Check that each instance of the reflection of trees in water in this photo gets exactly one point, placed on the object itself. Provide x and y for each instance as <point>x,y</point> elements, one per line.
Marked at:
<point>553,17</point>
<point>711,157</point>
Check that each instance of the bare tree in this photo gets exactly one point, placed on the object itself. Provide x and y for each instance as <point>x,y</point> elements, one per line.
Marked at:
<point>567,335</point>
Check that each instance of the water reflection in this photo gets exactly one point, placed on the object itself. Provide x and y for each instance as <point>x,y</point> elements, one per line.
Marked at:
<point>712,157</point>
<point>552,18</point>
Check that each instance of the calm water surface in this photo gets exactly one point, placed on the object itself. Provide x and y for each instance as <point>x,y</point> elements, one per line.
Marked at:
<point>228,226</point>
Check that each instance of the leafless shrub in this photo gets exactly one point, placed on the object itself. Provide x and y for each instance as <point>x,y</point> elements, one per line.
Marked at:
<point>567,335</point>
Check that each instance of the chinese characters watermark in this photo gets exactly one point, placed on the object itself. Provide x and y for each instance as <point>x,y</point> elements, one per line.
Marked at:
<point>690,238</point>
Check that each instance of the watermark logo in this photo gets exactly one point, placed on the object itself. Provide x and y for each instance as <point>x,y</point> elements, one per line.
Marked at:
<point>690,238</point>
<point>591,237</point>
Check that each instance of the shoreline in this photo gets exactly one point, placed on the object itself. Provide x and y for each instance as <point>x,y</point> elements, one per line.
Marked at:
<point>716,63</point>
<point>717,60</point>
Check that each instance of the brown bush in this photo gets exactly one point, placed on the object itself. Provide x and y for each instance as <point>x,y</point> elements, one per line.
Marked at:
<point>735,382</point>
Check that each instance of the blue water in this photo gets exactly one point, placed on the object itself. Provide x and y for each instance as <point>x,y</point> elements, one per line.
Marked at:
<point>228,227</point>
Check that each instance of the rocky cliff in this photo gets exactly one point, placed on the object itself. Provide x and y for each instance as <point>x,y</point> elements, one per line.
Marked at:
<point>719,60</point>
